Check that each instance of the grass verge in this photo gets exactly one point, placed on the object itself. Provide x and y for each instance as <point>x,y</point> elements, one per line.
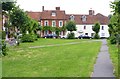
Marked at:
<point>114,56</point>
<point>59,61</point>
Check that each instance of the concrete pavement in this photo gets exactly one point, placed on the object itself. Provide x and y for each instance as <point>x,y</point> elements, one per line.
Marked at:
<point>103,66</point>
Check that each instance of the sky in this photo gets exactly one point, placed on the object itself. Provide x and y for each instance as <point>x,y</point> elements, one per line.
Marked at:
<point>70,6</point>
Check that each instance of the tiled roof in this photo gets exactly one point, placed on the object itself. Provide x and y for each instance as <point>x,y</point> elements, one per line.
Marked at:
<point>47,14</point>
<point>60,15</point>
<point>91,19</point>
<point>34,15</point>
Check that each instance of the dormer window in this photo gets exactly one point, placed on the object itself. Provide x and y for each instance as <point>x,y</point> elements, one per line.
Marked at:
<point>72,17</point>
<point>84,18</point>
<point>53,13</point>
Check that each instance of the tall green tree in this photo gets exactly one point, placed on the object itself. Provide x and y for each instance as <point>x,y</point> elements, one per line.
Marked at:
<point>115,20</point>
<point>7,8</point>
<point>96,29</point>
<point>116,9</point>
<point>19,19</point>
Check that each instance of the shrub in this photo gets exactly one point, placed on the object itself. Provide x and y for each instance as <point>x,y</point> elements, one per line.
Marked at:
<point>35,36</point>
<point>3,34</point>
<point>3,48</point>
<point>71,36</point>
<point>28,38</point>
<point>96,36</point>
<point>113,39</point>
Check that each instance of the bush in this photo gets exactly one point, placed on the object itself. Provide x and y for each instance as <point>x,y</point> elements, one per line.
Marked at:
<point>71,36</point>
<point>35,37</point>
<point>3,34</point>
<point>3,48</point>
<point>96,36</point>
<point>28,38</point>
<point>113,39</point>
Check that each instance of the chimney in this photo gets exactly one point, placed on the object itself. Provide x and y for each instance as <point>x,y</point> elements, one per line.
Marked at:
<point>42,8</point>
<point>57,8</point>
<point>91,12</point>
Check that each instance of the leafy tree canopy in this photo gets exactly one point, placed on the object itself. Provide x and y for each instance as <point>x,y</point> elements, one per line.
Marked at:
<point>71,26</point>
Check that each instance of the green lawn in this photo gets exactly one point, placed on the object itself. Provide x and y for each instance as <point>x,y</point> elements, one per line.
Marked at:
<point>114,56</point>
<point>75,60</point>
<point>0,67</point>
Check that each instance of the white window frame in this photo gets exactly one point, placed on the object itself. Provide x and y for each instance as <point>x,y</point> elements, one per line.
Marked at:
<point>53,13</point>
<point>53,23</point>
<point>72,17</point>
<point>46,21</point>
<point>60,23</point>
<point>84,18</point>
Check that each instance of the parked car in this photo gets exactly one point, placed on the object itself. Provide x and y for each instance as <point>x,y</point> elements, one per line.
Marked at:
<point>63,36</point>
<point>84,37</point>
<point>50,36</point>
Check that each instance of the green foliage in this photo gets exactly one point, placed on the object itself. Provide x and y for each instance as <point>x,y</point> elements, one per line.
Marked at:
<point>114,26</point>
<point>3,34</point>
<point>7,25</point>
<point>71,26</point>
<point>7,6</point>
<point>28,38</point>
<point>113,39</point>
<point>71,36</point>
<point>4,48</point>
<point>63,28</point>
<point>96,36</point>
<point>57,30</point>
<point>19,19</point>
<point>33,26</point>
<point>46,28</point>
<point>52,29</point>
<point>96,27</point>
<point>114,57</point>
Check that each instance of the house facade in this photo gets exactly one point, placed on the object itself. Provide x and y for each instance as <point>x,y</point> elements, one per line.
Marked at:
<point>84,22</point>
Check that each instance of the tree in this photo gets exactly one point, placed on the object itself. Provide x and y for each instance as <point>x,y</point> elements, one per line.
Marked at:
<point>96,29</point>
<point>115,20</point>
<point>19,19</point>
<point>116,9</point>
<point>112,29</point>
<point>71,26</point>
<point>7,6</point>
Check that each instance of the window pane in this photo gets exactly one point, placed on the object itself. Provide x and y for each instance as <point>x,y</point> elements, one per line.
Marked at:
<point>60,23</point>
<point>102,27</point>
<point>53,23</point>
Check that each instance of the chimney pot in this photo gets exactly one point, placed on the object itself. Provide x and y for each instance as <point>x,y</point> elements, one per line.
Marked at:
<point>91,12</point>
<point>42,8</point>
<point>57,8</point>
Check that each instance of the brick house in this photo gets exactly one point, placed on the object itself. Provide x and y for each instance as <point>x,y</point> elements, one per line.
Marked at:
<point>84,22</point>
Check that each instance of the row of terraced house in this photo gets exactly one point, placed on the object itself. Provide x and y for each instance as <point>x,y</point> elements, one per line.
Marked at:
<point>84,22</point>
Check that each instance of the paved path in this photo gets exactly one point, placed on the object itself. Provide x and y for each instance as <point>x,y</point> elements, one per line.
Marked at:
<point>103,66</point>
